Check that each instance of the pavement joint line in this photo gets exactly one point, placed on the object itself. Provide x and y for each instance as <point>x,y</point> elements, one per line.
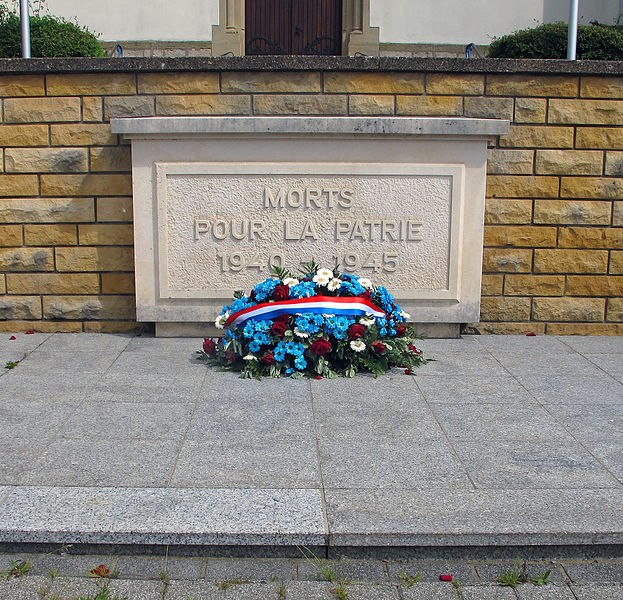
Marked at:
<point>4,496</point>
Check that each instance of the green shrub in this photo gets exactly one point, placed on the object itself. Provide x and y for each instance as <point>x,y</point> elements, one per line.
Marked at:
<point>49,36</point>
<point>595,42</point>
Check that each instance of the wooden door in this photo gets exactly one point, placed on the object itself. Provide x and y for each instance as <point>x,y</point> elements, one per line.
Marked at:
<point>293,27</point>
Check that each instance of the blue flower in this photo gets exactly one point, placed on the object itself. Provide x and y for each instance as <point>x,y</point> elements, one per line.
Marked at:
<point>305,289</point>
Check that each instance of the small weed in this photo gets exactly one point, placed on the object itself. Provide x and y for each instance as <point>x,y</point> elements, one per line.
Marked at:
<point>281,595</point>
<point>11,364</point>
<point>227,583</point>
<point>409,580</point>
<point>53,574</point>
<point>514,577</point>
<point>324,571</point>
<point>543,578</point>
<point>340,591</point>
<point>103,593</point>
<point>166,581</point>
<point>456,584</point>
<point>19,569</point>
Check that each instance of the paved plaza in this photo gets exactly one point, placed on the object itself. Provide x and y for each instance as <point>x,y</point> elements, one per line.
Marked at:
<point>502,442</point>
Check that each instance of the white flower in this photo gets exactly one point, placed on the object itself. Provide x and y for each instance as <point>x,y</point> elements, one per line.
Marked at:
<point>325,273</point>
<point>300,333</point>
<point>367,321</point>
<point>290,281</point>
<point>320,279</point>
<point>366,283</point>
<point>221,320</point>
<point>405,315</point>
<point>327,316</point>
<point>249,357</point>
<point>334,284</point>
<point>357,345</point>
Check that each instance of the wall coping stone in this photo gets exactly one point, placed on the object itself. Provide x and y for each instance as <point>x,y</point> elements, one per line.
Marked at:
<point>310,125</point>
<point>309,63</point>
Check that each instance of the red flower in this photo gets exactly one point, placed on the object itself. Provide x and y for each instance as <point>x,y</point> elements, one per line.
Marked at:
<point>29,332</point>
<point>401,330</point>
<point>281,292</point>
<point>283,318</point>
<point>230,356</point>
<point>445,577</point>
<point>267,358</point>
<point>408,372</point>
<point>209,347</point>
<point>413,349</point>
<point>366,295</point>
<point>12,337</point>
<point>356,331</point>
<point>378,347</point>
<point>530,334</point>
<point>100,571</point>
<point>279,328</point>
<point>320,347</point>
<point>317,377</point>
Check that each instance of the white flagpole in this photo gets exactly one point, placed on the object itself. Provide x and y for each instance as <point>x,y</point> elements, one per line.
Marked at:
<point>25,23</point>
<point>572,38</point>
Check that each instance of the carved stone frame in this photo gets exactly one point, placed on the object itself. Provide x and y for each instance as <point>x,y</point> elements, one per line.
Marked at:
<point>358,38</point>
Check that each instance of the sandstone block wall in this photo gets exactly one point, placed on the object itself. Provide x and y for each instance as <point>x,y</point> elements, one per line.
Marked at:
<point>553,258</point>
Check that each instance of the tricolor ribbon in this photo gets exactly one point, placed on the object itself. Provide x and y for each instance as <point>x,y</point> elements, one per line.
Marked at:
<point>316,304</point>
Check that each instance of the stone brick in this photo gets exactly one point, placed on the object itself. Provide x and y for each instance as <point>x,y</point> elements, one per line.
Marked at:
<point>538,136</point>
<point>50,235</point>
<point>590,237</point>
<point>267,82</point>
<point>42,326</point>
<point>46,160</point>
<point>584,329</point>
<point>89,307</point>
<point>22,85</point>
<point>111,158</point>
<point>601,138</point>
<point>530,110</point>
<point>429,105</point>
<point>569,162</point>
<point>18,185</point>
<point>601,87</point>
<point>572,212</point>
<point>532,85</point>
<point>299,105</point>
<point>570,261</point>
<point>26,259</point>
<point>614,164</point>
<point>178,83</point>
<point>128,106</point>
<point>492,285</point>
<point>509,328</point>
<point>96,134</point>
<point>522,186</point>
<point>617,214</point>
<point>504,308</point>
<point>53,283</point>
<point>592,187</point>
<point>616,263</point>
<point>374,83</point>
<point>20,307</point>
<point>534,285</point>
<point>520,236</point>
<point>510,161</point>
<point>370,104</point>
<point>117,283</point>
<point>614,311</point>
<point>105,235</point>
<point>213,104</point>
<point>86,259</point>
<point>31,110</point>
<point>86,185</point>
<point>501,211</point>
<point>47,210</point>
<point>23,135</point>
<point>111,326</point>
<point>91,84</point>
<point>2,284</point>
<point>505,260</point>
<point>92,109</point>
<point>594,285</point>
<point>455,83</point>
<point>585,112</point>
<point>489,108</point>
<point>114,209</point>
<point>568,309</point>
<point>10,235</point>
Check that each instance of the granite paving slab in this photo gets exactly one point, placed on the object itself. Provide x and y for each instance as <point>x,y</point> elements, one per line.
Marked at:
<point>430,570</point>
<point>253,570</point>
<point>597,592</point>
<point>594,344</point>
<point>462,364</point>
<point>544,592</point>
<point>475,390</point>
<point>85,342</point>
<point>353,570</point>
<point>490,573</point>
<point>610,454</point>
<point>487,592</point>
<point>523,344</point>
<point>131,567</point>
<point>587,423</point>
<point>36,420</point>
<point>74,363</point>
<point>595,572</point>
<point>429,591</point>
<point>556,364</point>
<point>610,363</point>
<point>596,390</point>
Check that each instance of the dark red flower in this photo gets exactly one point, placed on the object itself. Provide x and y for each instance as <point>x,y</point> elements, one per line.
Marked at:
<point>408,372</point>
<point>320,347</point>
<point>12,337</point>
<point>281,292</point>
<point>279,328</point>
<point>445,577</point>
<point>209,347</point>
<point>530,333</point>
<point>413,349</point>
<point>100,571</point>
<point>356,331</point>
<point>366,295</point>
<point>29,332</point>
<point>401,330</point>
<point>283,318</point>
<point>317,377</point>
<point>230,356</point>
<point>378,347</point>
<point>267,358</point>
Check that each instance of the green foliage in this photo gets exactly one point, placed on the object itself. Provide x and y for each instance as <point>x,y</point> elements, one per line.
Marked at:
<point>515,576</point>
<point>543,578</point>
<point>595,42</point>
<point>49,37</point>
<point>409,580</point>
<point>18,568</point>
<point>11,364</point>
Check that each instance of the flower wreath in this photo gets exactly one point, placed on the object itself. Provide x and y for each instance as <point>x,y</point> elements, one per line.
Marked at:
<point>324,324</point>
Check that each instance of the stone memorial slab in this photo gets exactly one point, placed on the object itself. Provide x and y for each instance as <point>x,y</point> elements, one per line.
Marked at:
<point>219,200</point>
